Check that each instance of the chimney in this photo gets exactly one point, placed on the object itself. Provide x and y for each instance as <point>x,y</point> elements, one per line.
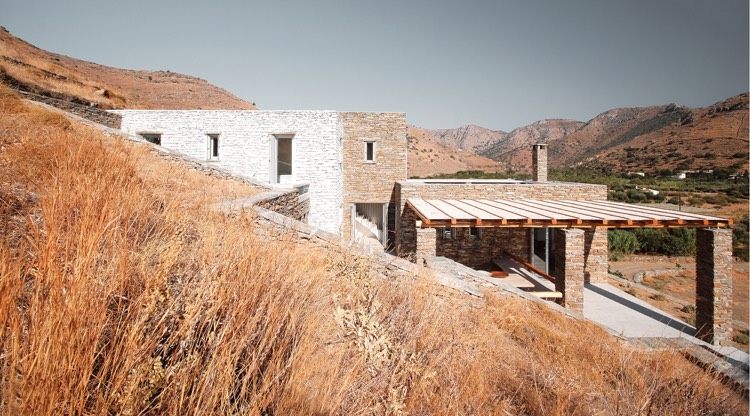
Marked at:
<point>539,162</point>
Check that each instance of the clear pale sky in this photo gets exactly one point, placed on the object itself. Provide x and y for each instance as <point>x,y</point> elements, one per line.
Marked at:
<point>499,64</point>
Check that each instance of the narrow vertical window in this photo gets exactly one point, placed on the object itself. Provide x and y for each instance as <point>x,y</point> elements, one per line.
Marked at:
<point>213,147</point>
<point>474,233</point>
<point>369,151</point>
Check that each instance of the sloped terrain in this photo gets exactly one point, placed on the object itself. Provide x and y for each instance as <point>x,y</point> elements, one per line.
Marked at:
<point>428,156</point>
<point>123,292</point>
<point>683,139</point>
<point>27,68</point>
<point>514,152</point>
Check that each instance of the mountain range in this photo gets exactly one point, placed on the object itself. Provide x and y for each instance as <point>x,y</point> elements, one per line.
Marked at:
<point>642,139</point>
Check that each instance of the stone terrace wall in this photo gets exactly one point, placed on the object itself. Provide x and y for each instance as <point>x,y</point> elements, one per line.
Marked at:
<point>88,112</point>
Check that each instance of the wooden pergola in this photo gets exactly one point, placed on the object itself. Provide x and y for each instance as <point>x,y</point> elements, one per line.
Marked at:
<point>531,213</point>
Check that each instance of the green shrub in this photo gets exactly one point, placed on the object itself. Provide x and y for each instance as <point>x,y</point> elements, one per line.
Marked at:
<point>672,242</point>
<point>740,239</point>
<point>621,242</point>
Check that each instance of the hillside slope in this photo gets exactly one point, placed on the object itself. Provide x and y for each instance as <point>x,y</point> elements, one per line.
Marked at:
<point>702,138</point>
<point>124,292</point>
<point>428,155</point>
<point>28,68</point>
<point>520,140</point>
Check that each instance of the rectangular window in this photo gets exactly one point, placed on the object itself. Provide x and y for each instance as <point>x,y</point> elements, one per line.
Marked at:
<point>154,138</point>
<point>369,151</point>
<point>447,233</point>
<point>213,147</point>
<point>475,233</point>
<point>284,157</point>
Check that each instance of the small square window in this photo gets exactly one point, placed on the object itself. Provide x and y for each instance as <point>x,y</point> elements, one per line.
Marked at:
<point>447,233</point>
<point>475,233</point>
<point>213,147</point>
<point>369,151</point>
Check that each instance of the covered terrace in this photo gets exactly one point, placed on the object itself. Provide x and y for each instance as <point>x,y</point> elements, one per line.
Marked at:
<point>566,241</point>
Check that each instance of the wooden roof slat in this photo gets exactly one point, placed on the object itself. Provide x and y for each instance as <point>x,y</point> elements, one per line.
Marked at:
<point>521,212</point>
<point>430,212</point>
<point>629,209</point>
<point>454,212</point>
<point>484,207</point>
<point>485,204</point>
<point>572,211</point>
<point>666,212</point>
<point>528,204</point>
<point>477,212</point>
<point>611,212</point>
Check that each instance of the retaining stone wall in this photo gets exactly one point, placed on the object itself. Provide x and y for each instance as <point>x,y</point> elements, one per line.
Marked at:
<point>88,112</point>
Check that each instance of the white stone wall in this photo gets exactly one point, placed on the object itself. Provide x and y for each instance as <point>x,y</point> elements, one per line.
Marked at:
<point>245,146</point>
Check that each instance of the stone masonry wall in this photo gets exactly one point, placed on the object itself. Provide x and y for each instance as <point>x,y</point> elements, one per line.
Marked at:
<point>596,253</point>
<point>294,204</point>
<point>477,252</point>
<point>713,269</point>
<point>245,139</point>
<point>569,265</point>
<point>372,181</point>
<point>426,244</point>
<point>539,162</point>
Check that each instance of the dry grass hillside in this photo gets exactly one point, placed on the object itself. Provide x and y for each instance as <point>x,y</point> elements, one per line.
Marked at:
<point>28,68</point>
<point>123,292</point>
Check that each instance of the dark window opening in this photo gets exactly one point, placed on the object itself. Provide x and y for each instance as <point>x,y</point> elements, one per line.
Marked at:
<point>369,151</point>
<point>213,146</point>
<point>447,233</point>
<point>475,233</point>
<point>284,157</point>
<point>154,138</point>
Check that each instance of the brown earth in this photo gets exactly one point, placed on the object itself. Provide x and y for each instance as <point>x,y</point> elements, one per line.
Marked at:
<point>27,68</point>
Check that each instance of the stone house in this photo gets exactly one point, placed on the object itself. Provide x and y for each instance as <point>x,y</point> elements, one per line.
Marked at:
<point>354,168</point>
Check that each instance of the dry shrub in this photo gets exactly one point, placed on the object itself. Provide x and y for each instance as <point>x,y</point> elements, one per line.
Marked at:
<point>122,292</point>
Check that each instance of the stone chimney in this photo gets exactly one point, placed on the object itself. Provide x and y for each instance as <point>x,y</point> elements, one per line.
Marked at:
<point>539,162</point>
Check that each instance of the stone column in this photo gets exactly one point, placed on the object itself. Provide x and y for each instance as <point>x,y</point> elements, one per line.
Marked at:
<point>426,243</point>
<point>569,266</point>
<point>596,251</point>
<point>539,162</point>
<point>713,288</point>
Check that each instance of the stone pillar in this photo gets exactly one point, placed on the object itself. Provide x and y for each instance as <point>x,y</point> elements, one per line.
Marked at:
<point>596,252</point>
<point>426,243</point>
<point>569,266</point>
<point>539,162</point>
<point>713,288</point>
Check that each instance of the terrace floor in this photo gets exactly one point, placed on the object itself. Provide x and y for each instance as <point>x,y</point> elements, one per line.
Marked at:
<point>630,317</point>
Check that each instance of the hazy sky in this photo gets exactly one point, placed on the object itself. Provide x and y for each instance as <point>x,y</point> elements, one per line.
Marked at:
<point>499,64</point>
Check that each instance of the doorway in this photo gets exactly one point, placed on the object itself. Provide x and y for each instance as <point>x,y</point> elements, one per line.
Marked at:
<point>370,222</point>
<point>542,248</point>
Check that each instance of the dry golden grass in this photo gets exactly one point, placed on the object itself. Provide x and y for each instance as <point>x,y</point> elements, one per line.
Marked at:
<point>120,293</point>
